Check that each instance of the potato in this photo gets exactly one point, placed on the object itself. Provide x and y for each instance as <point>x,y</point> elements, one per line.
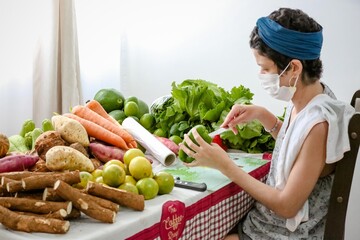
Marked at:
<point>60,158</point>
<point>70,130</point>
<point>46,141</point>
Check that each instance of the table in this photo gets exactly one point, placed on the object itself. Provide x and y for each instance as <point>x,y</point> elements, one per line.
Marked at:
<point>182,214</point>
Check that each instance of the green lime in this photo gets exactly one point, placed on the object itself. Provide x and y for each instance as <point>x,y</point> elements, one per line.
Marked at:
<point>159,132</point>
<point>148,187</point>
<point>131,109</point>
<point>176,139</point>
<point>140,167</point>
<point>147,120</point>
<point>116,162</point>
<point>132,153</point>
<point>143,108</point>
<point>131,99</point>
<point>113,175</point>
<point>165,181</point>
<point>110,98</point>
<point>118,115</point>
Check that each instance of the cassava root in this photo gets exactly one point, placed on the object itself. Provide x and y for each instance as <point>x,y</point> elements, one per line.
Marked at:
<point>82,202</point>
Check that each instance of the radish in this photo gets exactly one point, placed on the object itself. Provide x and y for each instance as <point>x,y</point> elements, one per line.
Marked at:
<point>17,162</point>
<point>105,153</point>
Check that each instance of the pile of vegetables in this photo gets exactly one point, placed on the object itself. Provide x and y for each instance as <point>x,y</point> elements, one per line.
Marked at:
<point>194,102</point>
<point>17,152</point>
<point>45,167</point>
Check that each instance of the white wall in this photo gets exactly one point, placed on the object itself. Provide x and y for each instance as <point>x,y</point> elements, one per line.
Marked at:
<point>165,41</point>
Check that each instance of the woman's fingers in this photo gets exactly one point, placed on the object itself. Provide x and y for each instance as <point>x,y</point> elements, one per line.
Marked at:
<point>198,138</point>
<point>191,145</point>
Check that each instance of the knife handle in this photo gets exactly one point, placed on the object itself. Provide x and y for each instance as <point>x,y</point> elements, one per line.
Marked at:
<point>201,187</point>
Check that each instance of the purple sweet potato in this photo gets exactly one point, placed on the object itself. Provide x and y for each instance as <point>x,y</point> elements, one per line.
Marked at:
<point>169,144</point>
<point>18,162</point>
<point>104,153</point>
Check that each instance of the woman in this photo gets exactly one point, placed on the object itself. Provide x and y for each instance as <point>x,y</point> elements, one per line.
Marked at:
<point>293,202</point>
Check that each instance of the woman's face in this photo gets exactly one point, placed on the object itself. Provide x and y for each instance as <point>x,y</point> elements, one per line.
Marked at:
<point>266,65</point>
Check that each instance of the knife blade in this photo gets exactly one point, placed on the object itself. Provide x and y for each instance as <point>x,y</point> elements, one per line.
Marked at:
<point>218,131</point>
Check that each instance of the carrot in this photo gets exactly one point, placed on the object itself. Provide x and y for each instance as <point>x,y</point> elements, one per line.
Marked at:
<point>88,114</point>
<point>99,132</point>
<point>98,108</point>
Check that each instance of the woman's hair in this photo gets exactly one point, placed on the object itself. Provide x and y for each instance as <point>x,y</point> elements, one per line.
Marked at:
<point>297,20</point>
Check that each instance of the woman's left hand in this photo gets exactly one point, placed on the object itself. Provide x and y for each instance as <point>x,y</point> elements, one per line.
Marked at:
<point>205,154</point>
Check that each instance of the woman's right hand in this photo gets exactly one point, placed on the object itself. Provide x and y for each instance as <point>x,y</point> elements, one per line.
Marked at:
<point>241,114</point>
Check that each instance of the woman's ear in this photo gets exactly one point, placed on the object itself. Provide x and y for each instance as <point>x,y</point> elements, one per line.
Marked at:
<point>296,67</point>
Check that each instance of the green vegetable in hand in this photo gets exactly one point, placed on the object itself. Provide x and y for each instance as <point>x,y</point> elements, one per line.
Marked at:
<point>201,129</point>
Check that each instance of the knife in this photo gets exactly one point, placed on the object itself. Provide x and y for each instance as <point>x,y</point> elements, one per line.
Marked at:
<point>218,131</point>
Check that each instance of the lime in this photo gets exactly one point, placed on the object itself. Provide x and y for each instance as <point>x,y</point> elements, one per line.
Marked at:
<point>131,109</point>
<point>165,181</point>
<point>130,179</point>
<point>110,98</point>
<point>85,177</point>
<point>97,173</point>
<point>129,188</point>
<point>176,139</point>
<point>131,99</point>
<point>147,120</point>
<point>148,187</point>
<point>159,132</point>
<point>140,167</point>
<point>118,115</point>
<point>116,162</point>
<point>143,108</point>
<point>113,175</point>
<point>131,153</point>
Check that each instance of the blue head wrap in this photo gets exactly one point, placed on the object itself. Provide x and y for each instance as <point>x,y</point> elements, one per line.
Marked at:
<point>299,45</point>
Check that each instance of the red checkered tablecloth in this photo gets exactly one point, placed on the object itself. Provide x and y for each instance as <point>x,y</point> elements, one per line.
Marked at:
<point>213,216</point>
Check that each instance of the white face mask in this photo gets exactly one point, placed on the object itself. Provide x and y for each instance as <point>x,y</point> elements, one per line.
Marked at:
<point>271,84</point>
